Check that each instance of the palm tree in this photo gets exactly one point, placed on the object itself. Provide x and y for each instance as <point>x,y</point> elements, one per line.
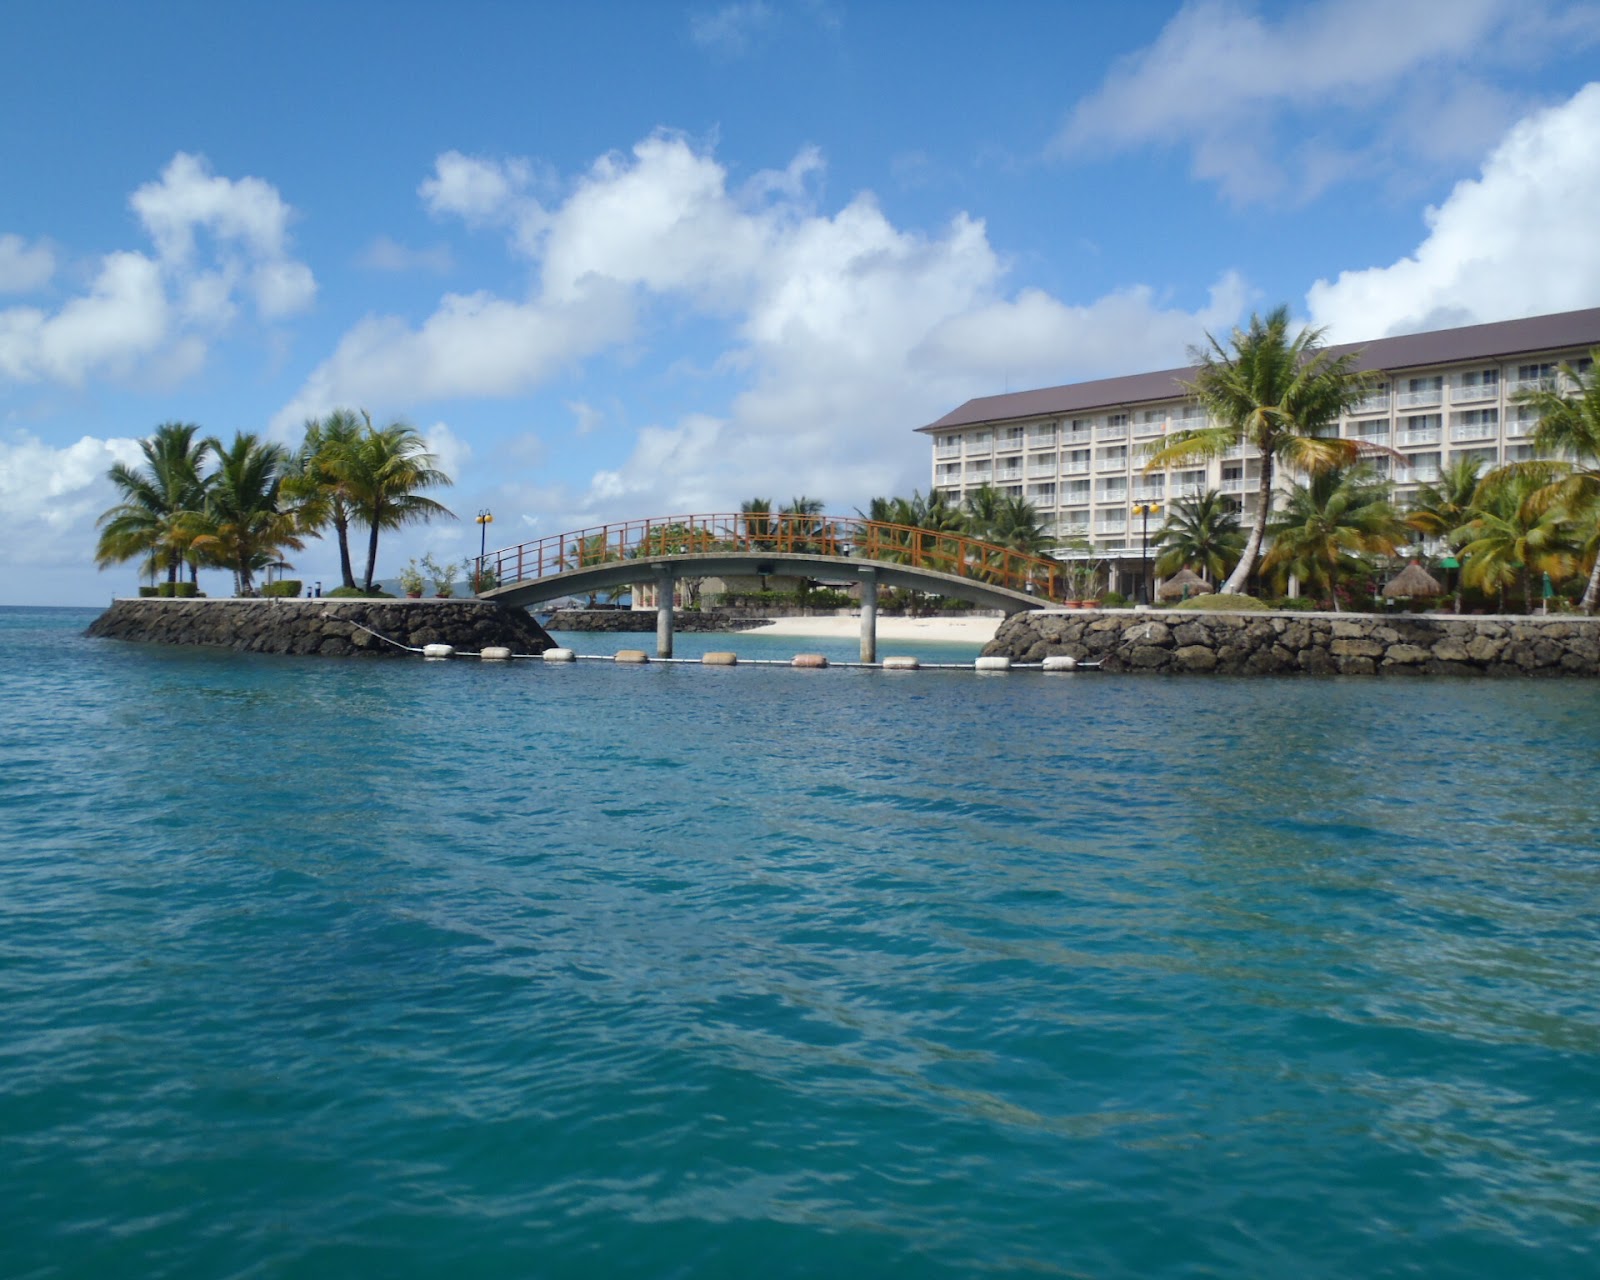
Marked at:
<point>149,521</point>
<point>1272,395</point>
<point>382,473</point>
<point>1439,509</point>
<point>316,482</point>
<point>757,522</point>
<point>1514,534</point>
<point>1569,434</point>
<point>800,524</point>
<point>1200,533</point>
<point>1329,522</point>
<point>242,527</point>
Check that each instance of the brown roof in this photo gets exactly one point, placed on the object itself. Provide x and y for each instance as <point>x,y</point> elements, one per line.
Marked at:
<point>1498,341</point>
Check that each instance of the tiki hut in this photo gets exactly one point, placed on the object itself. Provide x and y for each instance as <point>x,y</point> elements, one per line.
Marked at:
<point>1183,584</point>
<point>1413,580</point>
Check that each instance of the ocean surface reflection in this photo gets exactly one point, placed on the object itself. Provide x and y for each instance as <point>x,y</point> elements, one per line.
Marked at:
<point>326,968</point>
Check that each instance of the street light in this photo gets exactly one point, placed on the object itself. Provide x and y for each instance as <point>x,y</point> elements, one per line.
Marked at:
<point>485,519</point>
<point>1144,509</point>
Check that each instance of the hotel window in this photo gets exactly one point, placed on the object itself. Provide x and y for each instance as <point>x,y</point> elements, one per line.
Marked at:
<point>1075,492</point>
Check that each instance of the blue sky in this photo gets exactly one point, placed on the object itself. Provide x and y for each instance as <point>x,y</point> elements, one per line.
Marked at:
<point>621,260</point>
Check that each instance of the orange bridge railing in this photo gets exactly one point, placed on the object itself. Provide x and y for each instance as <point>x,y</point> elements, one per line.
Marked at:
<point>850,538</point>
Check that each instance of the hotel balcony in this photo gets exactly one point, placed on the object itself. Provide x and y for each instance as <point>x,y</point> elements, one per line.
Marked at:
<point>1372,437</point>
<point>1463,392</point>
<point>1414,399</point>
<point>1531,384</point>
<point>1042,439</point>
<point>1078,467</point>
<point>1111,464</point>
<point>1013,445</point>
<point>1144,430</point>
<point>947,449</point>
<point>1036,470</point>
<point>1474,431</point>
<point>1377,402</point>
<point>1236,484</point>
<point>1007,475</point>
<point>1427,435</point>
<point>1109,432</point>
<point>1080,435</point>
<point>1117,525</point>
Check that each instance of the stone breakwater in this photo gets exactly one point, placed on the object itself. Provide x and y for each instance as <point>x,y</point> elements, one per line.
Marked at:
<point>1181,642</point>
<point>323,626</point>
<point>632,620</point>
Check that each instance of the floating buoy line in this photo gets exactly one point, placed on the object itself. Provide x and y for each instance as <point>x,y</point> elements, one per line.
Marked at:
<point>722,658</point>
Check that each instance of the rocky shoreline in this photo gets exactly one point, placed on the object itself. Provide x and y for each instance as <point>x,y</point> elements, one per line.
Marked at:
<point>330,628</point>
<point>1184,643</point>
<point>644,620</point>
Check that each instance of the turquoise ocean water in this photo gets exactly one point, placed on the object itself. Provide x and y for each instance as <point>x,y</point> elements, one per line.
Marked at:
<point>312,968</point>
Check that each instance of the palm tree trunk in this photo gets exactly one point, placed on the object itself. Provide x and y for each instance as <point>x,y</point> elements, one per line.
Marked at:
<point>372,553</point>
<point>341,527</point>
<point>1252,548</point>
<point>1591,593</point>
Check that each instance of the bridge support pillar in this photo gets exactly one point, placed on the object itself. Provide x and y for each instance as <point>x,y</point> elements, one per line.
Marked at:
<point>666,584</point>
<point>869,616</point>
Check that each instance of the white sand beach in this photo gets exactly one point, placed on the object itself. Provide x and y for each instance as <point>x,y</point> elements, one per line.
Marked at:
<point>975,630</point>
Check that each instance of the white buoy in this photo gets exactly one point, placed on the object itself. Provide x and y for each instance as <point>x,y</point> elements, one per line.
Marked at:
<point>810,660</point>
<point>438,650</point>
<point>720,658</point>
<point>631,655</point>
<point>560,655</point>
<point>1060,662</point>
<point>496,653</point>
<point>994,663</point>
<point>900,664</point>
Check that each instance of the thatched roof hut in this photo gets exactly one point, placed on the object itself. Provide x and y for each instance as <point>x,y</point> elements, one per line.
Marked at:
<point>1413,580</point>
<point>1186,582</point>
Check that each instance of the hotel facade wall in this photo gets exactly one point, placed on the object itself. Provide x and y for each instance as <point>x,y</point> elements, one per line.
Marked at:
<point>1084,469</point>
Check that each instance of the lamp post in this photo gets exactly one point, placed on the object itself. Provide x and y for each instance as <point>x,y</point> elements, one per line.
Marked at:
<point>485,519</point>
<point>1144,509</point>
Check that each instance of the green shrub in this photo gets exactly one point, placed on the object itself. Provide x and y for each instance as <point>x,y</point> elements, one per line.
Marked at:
<point>1293,604</point>
<point>1113,600</point>
<point>284,587</point>
<point>827,598</point>
<point>356,593</point>
<point>185,589</point>
<point>146,592</point>
<point>1223,604</point>
<point>167,590</point>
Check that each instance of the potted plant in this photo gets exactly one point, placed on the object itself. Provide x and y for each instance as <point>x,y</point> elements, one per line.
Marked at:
<point>411,580</point>
<point>443,576</point>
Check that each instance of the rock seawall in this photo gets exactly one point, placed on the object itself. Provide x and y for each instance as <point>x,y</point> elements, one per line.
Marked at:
<point>1180,642</point>
<point>644,620</point>
<point>323,626</point>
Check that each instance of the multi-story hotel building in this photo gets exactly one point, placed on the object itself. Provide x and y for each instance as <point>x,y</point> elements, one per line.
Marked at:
<point>1077,452</point>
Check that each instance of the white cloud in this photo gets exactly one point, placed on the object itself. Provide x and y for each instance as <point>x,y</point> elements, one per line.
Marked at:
<point>151,316</point>
<point>1517,240</point>
<point>52,497</point>
<point>24,267</point>
<point>449,450</point>
<point>1406,81</point>
<point>839,330</point>
<point>732,29</point>
<point>386,254</point>
<point>125,317</point>
<point>587,417</point>
<point>246,219</point>
<point>487,193</point>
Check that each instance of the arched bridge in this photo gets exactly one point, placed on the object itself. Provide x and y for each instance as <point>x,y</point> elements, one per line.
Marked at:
<point>662,550</point>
